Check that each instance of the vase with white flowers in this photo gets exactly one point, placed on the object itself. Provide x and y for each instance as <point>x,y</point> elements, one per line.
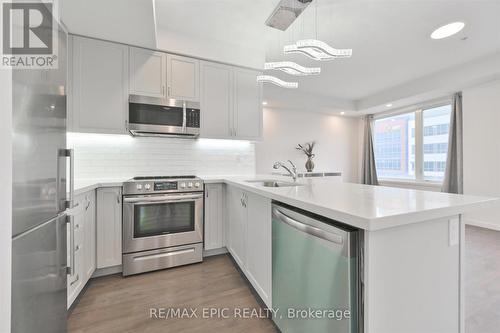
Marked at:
<point>307,149</point>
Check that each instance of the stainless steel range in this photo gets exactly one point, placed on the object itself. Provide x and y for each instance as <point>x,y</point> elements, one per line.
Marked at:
<point>162,223</point>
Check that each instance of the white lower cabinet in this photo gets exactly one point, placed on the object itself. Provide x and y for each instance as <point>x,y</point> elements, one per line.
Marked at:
<point>81,244</point>
<point>236,224</point>
<point>249,237</point>
<point>214,217</point>
<point>258,245</point>
<point>109,227</point>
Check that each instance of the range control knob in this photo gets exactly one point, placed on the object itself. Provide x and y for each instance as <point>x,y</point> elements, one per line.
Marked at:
<point>147,187</point>
<point>190,184</point>
<point>183,185</point>
<point>139,187</point>
<point>196,184</point>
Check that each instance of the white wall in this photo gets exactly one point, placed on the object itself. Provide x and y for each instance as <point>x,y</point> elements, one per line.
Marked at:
<point>481,111</point>
<point>337,141</point>
<point>5,197</point>
<point>101,156</point>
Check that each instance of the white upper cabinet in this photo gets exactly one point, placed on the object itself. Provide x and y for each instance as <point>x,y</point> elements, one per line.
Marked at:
<point>99,86</point>
<point>231,102</point>
<point>183,75</point>
<point>216,100</point>
<point>247,104</point>
<point>148,72</point>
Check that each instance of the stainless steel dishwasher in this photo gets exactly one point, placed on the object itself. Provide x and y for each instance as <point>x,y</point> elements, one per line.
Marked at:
<point>316,285</point>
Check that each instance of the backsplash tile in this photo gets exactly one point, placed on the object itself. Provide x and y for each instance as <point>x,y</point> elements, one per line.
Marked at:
<point>103,156</point>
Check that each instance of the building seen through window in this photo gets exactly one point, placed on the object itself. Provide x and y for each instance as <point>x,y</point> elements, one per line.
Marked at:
<point>395,144</point>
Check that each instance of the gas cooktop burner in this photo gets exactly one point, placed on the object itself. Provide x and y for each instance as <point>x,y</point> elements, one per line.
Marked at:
<point>163,177</point>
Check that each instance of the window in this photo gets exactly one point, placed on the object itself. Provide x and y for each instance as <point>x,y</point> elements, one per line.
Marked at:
<point>393,146</point>
<point>406,141</point>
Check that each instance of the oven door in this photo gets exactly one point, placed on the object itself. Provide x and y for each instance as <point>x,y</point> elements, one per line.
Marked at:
<point>158,221</point>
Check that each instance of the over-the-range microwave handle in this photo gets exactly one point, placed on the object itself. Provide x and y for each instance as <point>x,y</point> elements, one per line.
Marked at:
<point>163,198</point>
<point>308,229</point>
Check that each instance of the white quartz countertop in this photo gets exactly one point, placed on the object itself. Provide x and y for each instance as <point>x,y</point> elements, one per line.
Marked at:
<point>362,206</point>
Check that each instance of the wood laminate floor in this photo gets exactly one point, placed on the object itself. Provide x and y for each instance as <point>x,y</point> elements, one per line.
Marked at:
<point>116,304</point>
<point>482,280</point>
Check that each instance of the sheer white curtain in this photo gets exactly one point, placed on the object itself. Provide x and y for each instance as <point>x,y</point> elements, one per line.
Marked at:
<point>454,174</point>
<point>369,169</point>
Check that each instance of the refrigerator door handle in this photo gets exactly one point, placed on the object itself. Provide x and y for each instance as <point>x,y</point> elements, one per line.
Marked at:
<point>70,270</point>
<point>71,154</point>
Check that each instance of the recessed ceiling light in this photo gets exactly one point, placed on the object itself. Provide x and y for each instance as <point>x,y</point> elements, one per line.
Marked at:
<point>447,30</point>
<point>264,103</point>
<point>342,113</point>
<point>388,105</point>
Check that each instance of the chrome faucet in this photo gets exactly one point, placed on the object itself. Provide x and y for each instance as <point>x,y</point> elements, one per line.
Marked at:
<point>292,171</point>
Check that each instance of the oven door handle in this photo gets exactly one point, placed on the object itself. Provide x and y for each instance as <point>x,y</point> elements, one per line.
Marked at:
<point>163,198</point>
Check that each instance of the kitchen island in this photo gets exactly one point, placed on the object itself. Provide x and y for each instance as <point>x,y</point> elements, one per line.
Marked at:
<point>412,246</point>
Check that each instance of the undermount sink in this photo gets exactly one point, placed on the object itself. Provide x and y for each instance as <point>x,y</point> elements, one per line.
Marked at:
<point>273,183</point>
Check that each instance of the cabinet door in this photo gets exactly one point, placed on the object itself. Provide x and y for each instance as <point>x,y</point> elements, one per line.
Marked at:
<point>90,235</point>
<point>76,279</point>
<point>236,223</point>
<point>183,75</point>
<point>99,86</point>
<point>216,100</point>
<point>247,104</point>
<point>109,227</point>
<point>148,72</point>
<point>214,217</point>
<point>259,250</point>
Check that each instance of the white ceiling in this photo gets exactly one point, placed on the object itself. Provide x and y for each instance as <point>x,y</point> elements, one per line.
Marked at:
<point>390,41</point>
<point>389,38</point>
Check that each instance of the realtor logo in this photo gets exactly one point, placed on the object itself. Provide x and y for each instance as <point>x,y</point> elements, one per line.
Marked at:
<point>29,35</point>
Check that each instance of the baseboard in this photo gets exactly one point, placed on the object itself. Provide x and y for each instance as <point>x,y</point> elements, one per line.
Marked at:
<point>482,224</point>
<point>214,252</point>
<point>107,271</point>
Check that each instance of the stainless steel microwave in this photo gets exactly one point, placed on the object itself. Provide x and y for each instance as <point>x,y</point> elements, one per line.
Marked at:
<point>149,116</point>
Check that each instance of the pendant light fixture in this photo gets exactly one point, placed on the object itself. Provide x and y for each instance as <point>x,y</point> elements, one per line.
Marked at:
<point>292,68</point>
<point>274,80</point>
<point>316,49</point>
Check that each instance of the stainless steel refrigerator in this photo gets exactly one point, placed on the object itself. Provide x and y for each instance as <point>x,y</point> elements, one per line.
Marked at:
<point>39,197</point>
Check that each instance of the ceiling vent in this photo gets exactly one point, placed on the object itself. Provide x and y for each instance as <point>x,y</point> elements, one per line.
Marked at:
<point>286,12</point>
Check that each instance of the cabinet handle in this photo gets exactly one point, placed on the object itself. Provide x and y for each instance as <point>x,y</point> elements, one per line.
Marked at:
<point>77,278</point>
<point>118,199</point>
<point>169,90</point>
<point>163,89</point>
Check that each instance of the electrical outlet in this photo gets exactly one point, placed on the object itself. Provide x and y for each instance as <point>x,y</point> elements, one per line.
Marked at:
<point>454,230</point>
